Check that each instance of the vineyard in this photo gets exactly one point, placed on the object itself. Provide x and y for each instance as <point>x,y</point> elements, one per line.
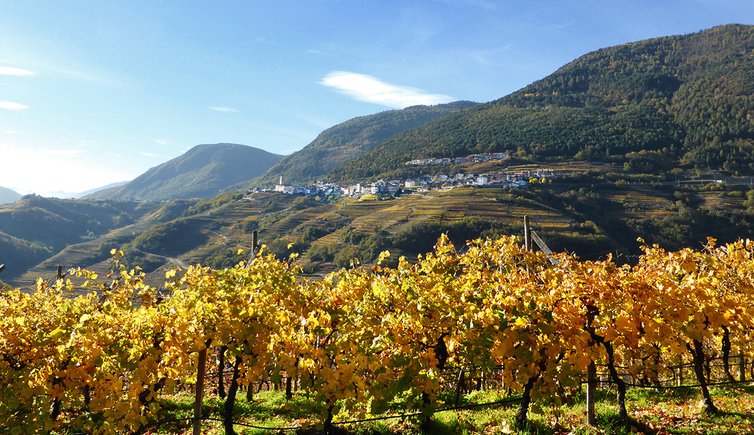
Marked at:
<point>100,353</point>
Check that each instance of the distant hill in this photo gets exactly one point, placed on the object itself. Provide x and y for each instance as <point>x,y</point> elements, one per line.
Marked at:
<point>100,189</point>
<point>650,105</point>
<point>34,228</point>
<point>348,140</point>
<point>7,195</point>
<point>202,172</point>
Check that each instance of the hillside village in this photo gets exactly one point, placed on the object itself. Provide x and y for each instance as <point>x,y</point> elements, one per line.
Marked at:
<point>391,188</point>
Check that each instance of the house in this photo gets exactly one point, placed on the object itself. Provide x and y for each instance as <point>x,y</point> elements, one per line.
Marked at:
<point>354,189</point>
<point>280,187</point>
<point>378,187</point>
<point>394,186</point>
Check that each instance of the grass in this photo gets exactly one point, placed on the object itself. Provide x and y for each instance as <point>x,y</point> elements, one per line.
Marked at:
<point>676,411</point>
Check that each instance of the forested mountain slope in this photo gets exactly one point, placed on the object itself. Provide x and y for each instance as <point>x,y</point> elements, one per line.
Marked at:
<point>202,172</point>
<point>653,105</point>
<point>348,140</point>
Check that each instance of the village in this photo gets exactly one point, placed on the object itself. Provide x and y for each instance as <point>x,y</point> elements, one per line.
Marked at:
<point>391,188</point>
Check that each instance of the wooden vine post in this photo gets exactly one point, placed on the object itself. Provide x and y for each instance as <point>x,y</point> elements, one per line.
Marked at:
<point>199,391</point>
<point>591,391</point>
<point>742,365</point>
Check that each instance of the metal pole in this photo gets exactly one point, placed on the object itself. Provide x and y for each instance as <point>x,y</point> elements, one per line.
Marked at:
<point>527,234</point>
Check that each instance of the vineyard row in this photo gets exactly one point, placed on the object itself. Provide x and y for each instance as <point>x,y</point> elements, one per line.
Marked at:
<point>364,336</point>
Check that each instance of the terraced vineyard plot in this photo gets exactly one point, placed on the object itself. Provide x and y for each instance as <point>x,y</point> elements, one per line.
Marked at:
<point>557,212</point>
<point>639,203</point>
<point>68,257</point>
<point>717,200</point>
<point>382,219</point>
<point>333,239</point>
<point>292,221</point>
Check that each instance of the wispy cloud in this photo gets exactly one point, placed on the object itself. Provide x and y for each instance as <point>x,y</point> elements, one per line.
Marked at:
<point>146,154</point>
<point>373,90</point>
<point>91,75</point>
<point>65,152</point>
<point>11,71</point>
<point>12,105</point>
<point>488,56</point>
<point>160,141</point>
<point>223,109</point>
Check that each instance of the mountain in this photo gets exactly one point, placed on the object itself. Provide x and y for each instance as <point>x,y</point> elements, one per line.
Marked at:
<point>202,172</point>
<point>100,189</point>
<point>651,105</point>
<point>348,140</point>
<point>7,195</point>
<point>627,128</point>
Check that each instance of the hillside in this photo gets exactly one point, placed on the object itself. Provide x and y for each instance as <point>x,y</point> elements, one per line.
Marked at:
<point>110,186</point>
<point>348,140</point>
<point>35,228</point>
<point>592,212</point>
<point>629,130</point>
<point>202,172</point>
<point>7,195</point>
<point>680,101</point>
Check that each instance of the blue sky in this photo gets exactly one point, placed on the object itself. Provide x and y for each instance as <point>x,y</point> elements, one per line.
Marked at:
<point>94,92</point>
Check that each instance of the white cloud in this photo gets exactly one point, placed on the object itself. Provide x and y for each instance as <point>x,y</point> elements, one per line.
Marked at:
<point>372,90</point>
<point>223,109</point>
<point>160,141</point>
<point>12,105</point>
<point>489,56</point>
<point>9,131</point>
<point>105,78</point>
<point>146,154</point>
<point>11,71</point>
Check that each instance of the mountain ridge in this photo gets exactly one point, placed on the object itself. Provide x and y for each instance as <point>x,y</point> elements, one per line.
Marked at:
<point>345,141</point>
<point>8,196</point>
<point>631,128</point>
<point>202,172</point>
<point>686,100</point>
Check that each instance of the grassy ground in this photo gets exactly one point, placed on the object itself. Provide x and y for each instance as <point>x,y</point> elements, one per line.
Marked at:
<point>655,412</point>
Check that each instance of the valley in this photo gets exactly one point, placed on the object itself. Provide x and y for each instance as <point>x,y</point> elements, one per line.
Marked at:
<point>607,149</point>
<point>386,270</point>
<point>590,211</point>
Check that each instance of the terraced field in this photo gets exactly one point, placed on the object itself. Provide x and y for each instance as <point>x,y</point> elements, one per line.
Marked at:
<point>207,230</point>
<point>642,203</point>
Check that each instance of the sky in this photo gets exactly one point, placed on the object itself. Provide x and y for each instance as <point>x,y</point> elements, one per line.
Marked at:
<point>95,92</point>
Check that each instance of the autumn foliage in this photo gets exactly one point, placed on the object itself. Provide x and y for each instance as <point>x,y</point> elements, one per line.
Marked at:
<point>97,355</point>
